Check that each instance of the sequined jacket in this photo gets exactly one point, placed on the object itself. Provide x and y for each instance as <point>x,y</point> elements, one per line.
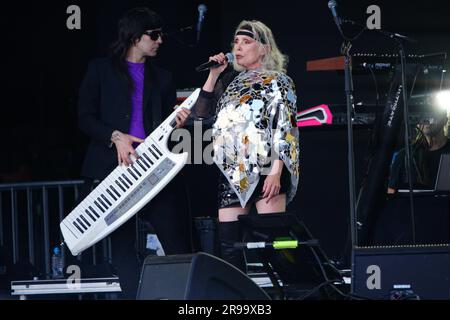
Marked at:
<point>254,125</point>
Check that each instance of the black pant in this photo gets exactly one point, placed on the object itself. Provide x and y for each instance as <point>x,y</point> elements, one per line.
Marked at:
<point>168,215</point>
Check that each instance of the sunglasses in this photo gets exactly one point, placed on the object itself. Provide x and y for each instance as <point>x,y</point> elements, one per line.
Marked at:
<point>154,34</point>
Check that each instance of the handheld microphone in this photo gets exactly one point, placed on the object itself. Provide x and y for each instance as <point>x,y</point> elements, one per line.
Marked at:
<point>332,6</point>
<point>229,57</point>
<point>201,16</point>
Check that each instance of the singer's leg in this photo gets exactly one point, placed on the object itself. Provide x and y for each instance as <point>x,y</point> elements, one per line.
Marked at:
<point>229,234</point>
<point>275,205</point>
<point>229,229</point>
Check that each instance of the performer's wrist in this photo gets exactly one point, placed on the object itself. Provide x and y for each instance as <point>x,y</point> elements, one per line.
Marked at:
<point>115,136</point>
<point>277,168</point>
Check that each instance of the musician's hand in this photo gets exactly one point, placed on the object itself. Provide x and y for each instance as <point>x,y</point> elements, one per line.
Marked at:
<point>182,116</point>
<point>272,184</point>
<point>220,58</point>
<point>215,72</point>
<point>124,146</point>
<point>271,187</point>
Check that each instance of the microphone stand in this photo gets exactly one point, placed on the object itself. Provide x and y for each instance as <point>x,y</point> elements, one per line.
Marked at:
<point>345,51</point>
<point>408,159</point>
<point>408,156</point>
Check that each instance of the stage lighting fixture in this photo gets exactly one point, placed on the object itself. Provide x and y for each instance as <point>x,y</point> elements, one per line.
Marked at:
<point>442,100</point>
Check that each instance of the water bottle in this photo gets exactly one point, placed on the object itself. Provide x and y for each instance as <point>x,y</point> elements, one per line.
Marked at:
<point>57,264</point>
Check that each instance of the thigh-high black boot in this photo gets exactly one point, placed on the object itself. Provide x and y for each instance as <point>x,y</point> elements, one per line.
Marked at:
<point>229,234</point>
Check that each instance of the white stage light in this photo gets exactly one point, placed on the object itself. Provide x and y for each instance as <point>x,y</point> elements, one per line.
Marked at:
<point>443,100</point>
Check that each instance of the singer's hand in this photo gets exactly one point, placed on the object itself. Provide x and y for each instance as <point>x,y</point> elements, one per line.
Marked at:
<point>220,58</point>
<point>272,183</point>
<point>271,188</point>
<point>215,72</point>
<point>182,116</point>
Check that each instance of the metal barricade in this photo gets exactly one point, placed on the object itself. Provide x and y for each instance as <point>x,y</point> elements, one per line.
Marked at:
<point>30,214</point>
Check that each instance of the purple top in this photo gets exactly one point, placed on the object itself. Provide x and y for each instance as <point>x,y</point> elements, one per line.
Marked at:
<point>137,119</point>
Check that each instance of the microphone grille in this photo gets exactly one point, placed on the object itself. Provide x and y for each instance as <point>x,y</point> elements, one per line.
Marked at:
<point>230,57</point>
<point>332,4</point>
<point>202,8</point>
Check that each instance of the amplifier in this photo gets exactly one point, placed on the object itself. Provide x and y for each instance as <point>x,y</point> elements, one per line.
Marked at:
<point>402,272</point>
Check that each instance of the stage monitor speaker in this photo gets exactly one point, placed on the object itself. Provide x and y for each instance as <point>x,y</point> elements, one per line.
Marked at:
<point>199,276</point>
<point>404,272</point>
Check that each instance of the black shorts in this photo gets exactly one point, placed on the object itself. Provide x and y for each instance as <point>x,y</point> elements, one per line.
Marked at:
<point>227,198</point>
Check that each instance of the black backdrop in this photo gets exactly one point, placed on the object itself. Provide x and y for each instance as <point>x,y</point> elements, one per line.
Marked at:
<point>43,63</point>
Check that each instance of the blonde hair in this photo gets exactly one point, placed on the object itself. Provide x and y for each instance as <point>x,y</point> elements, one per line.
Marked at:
<point>273,60</point>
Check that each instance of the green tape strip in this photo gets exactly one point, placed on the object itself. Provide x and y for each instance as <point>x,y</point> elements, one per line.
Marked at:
<point>285,244</point>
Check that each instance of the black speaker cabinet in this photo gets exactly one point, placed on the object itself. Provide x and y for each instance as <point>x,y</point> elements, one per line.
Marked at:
<point>199,276</point>
<point>403,272</point>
